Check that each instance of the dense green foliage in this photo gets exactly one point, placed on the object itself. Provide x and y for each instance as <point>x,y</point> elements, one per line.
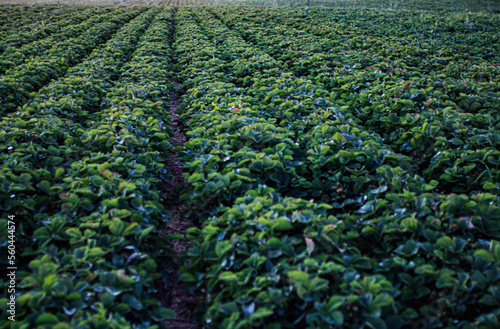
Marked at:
<point>21,82</point>
<point>39,41</point>
<point>27,24</point>
<point>487,6</point>
<point>387,122</point>
<point>82,168</point>
<point>343,165</point>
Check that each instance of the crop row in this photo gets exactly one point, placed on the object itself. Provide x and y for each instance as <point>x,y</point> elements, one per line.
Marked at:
<point>377,245</point>
<point>18,17</point>
<point>18,37</point>
<point>440,6</point>
<point>407,46</point>
<point>38,40</point>
<point>83,166</point>
<point>22,82</point>
<point>410,97</point>
<point>13,56</point>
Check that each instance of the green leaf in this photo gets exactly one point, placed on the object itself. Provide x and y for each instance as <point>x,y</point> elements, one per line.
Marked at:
<point>298,276</point>
<point>74,232</point>
<point>132,302</point>
<point>107,298</point>
<point>335,302</point>
<point>281,224</point>
<point>57,160</point>
<point>485,256</point>
<point>130,228</point>
<point>44,186</point>
<point>145,232</point>
<point>228,276</point>
<point>46,319</point>
<point>261,313</point>
<point>124,278</point>
<point>58,173</point>
<point>445,242</point>
<point>186,277</point>
<point>96,252</point>
<point>382,300</point>
<point>376,323</point>
<point>363,263</point>
<point>117,226</point>
<point>337,317</point>
<point>49,281</point>
<point>446,280</point>
<point>489,300</point>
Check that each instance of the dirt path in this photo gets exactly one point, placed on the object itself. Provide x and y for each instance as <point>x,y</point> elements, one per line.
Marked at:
<point>172,295</point>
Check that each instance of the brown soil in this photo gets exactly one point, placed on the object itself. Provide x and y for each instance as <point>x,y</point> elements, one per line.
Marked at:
<point>171,294</point>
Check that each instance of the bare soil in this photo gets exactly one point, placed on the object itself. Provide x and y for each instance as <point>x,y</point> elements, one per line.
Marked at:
<point>171,294</point>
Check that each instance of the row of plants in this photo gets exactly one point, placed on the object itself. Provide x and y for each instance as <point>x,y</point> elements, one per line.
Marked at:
<point>444,126</point>
<point>82,166</point>
<point>376,246</point>
<point>83,88</point>
<point>13,17</point>
<point>21,82</point>
<point>40,27</point>
<point>37,40</point>
<point>440,6</point>
<point>385,35</point>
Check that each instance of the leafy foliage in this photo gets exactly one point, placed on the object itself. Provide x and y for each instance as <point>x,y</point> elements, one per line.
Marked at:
<point>314,107</point>
<point>343,165</point>
<point>88,187</point>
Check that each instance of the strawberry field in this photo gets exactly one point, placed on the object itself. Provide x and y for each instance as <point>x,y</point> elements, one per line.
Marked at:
<point>250,167</point>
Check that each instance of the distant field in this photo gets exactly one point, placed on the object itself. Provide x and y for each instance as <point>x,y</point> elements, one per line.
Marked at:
<point>492,6</point>
<point>106,2</point>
